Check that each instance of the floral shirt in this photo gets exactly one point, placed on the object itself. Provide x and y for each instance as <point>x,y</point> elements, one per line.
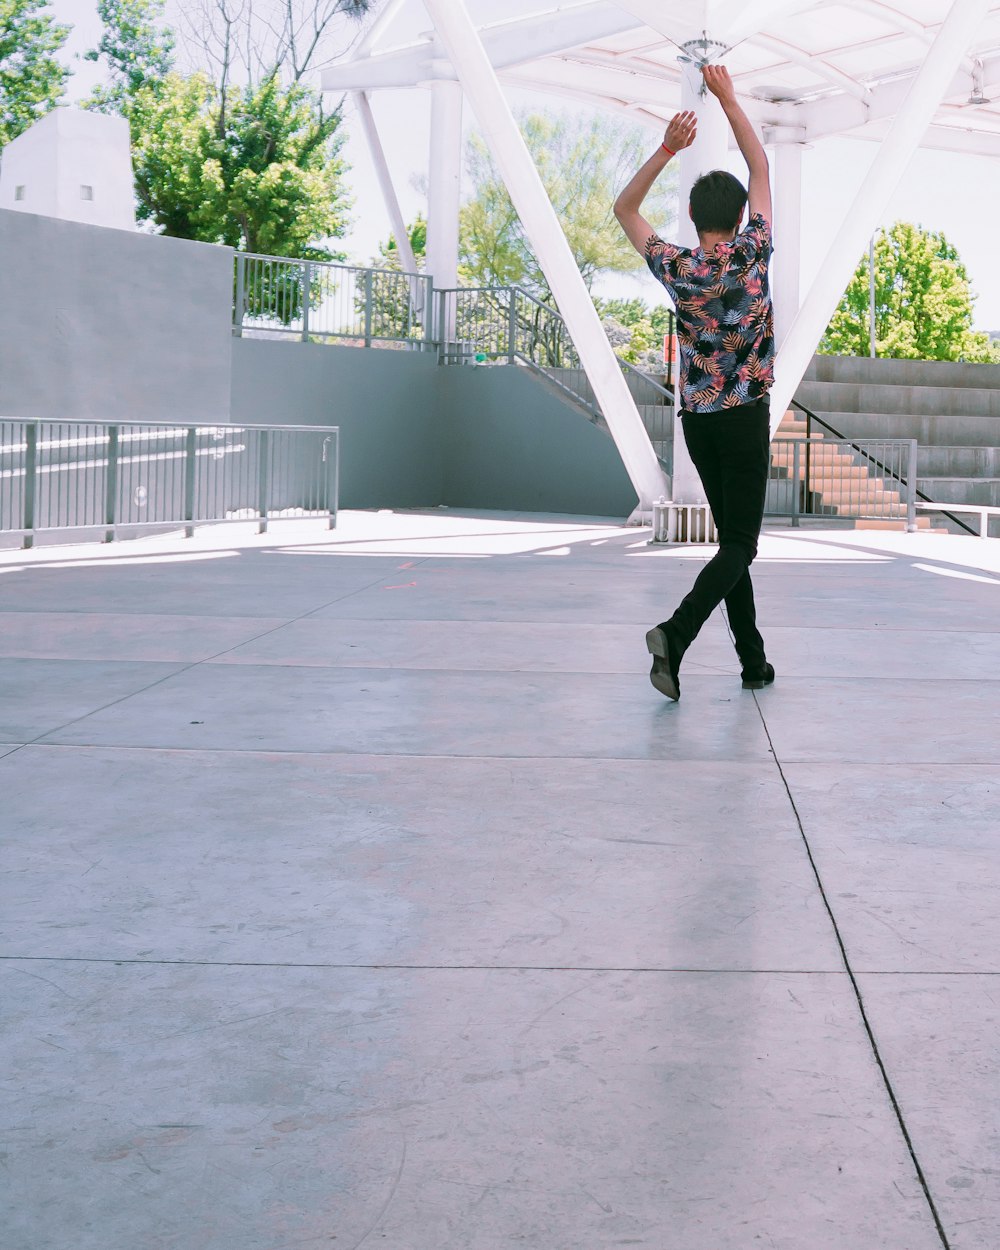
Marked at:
<point>725,323</point>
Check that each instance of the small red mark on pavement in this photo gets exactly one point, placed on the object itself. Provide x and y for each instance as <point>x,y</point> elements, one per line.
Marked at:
<point>405,586</point>
<point>407,565</point>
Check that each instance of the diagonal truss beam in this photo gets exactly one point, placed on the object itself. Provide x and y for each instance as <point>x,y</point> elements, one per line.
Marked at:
<point>507,43</point>
<point>482,87</point>
<point>908,128</point>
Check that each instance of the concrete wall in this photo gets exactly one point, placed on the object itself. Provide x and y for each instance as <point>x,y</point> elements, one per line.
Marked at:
<point>110,324</point>
<point>105,324</point>
<point>73,165</point>
<point>414,434</point>
<point>385,402</point>
<point>511,444</point>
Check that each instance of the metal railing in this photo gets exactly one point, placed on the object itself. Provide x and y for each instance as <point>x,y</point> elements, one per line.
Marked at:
<point>82,475</point>
<point>813,420</point>
<point>870,479</point>
<point>275,297</point>
<point>509,324</point>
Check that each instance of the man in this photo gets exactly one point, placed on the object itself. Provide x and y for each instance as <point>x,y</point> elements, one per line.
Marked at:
<point>725,330</point>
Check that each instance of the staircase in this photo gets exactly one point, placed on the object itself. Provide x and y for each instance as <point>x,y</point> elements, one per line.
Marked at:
<point>832,480</point>
<point>951,409</point>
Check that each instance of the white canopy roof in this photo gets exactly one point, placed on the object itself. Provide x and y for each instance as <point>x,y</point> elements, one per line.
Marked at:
<point>807,69</point>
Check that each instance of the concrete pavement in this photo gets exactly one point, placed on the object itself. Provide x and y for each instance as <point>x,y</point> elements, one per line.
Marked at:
<point>359,890</point>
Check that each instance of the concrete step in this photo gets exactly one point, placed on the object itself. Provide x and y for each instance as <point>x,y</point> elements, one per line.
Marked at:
<point>939,373</point>
<point>984,491</point>
<point>940,430</point>
<point>958,461</point>
<point>891,523</point>
<point>967,401</point>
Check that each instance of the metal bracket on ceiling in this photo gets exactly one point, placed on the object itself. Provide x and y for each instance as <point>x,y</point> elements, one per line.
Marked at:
<point>702,52</point>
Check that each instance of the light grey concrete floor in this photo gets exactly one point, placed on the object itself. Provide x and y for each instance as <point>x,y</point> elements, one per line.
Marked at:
<point>359,890</point>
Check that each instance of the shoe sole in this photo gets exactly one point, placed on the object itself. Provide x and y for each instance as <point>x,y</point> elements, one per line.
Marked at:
<point>758,684</point>
<point>662,681</point>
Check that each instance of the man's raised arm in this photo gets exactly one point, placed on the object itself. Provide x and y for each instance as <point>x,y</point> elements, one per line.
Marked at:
<point>679,134</point>
<point>718,81</point>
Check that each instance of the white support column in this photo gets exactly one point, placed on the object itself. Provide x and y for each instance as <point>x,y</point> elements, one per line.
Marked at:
<point>709,151</point>
<point>444,182</point>
<point>481,85</point>
<point>786,268</point>
<point>908,128</point>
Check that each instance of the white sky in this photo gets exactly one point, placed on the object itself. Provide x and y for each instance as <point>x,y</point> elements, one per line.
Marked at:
<point>956,194</point>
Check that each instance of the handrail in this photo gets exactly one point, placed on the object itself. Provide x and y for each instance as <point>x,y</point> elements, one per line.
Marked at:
<point>329,264</point>
<point>812,416</point>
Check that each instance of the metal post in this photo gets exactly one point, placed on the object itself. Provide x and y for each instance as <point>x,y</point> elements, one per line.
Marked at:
<point>911,491</point>
<point>111,484</point>
<point>368,308</point>
<point>464,48</point>
<point>238,305</point>
<point>797,485</point>
<point>306,298</point>
<point>263,478</point>
<point>30,482</point>
<point>444,182</point>
<point>891,159</point>
<point>809,498</point>
<point>190,454</point>
<point>511,325</point>
<point>332,475</point>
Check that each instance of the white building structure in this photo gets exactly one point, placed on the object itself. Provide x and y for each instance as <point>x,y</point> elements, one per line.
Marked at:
<point>902,73</point>
<point>73,165</point>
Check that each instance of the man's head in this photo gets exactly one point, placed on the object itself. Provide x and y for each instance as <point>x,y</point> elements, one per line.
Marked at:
<point>717,203</point>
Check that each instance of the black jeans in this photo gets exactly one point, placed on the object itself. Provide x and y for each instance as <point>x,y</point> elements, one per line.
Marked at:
<point>730,450</point>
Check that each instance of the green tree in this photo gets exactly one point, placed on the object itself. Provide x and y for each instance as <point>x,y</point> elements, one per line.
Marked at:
<point>583,163</point>
<point>265,177</point>
<point>923,302</point>
<point>256,166</point>
<point>32,79</point>
<point>636,330</point>
<point>137,51</point>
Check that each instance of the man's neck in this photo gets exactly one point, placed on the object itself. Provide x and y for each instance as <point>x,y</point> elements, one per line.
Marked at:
<point>711,238</point>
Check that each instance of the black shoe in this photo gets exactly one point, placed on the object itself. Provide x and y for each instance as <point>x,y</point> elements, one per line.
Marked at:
<point>664,673</point>
<point>758,678</point>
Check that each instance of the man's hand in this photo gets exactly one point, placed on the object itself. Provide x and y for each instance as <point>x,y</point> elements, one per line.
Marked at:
<point>718,81</point>
<point>681,131</point>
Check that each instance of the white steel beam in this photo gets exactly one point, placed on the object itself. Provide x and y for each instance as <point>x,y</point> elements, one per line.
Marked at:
<point>444,182</point>
<point>708,152</point>
<point>910,125</point>
<point>814,63</point>
<point>508,43</point>
<point>408,260</point>
<point>787,263</point>
<point>379,27</point>
<point>840,114</point>
<point>479,80</point>
<point>733,21</point>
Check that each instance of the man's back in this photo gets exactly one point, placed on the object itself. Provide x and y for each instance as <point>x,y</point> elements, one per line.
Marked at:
<point>725,322</point>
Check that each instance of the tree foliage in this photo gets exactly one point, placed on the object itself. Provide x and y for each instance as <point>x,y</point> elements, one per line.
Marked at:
<point>636,330</point>
<point>923,302</point>
<point>255,165</point>
<point>31,77</point>
<point>137,50</point>
<point>583,162</point>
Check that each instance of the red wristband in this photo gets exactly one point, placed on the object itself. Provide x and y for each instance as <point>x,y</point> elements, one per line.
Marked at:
<point>669,151</point>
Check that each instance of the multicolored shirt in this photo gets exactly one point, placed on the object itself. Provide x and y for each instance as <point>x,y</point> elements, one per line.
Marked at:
<point>725,322</point>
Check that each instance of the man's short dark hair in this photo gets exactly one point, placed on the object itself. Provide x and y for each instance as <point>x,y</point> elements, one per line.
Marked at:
<point>717,202</point>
